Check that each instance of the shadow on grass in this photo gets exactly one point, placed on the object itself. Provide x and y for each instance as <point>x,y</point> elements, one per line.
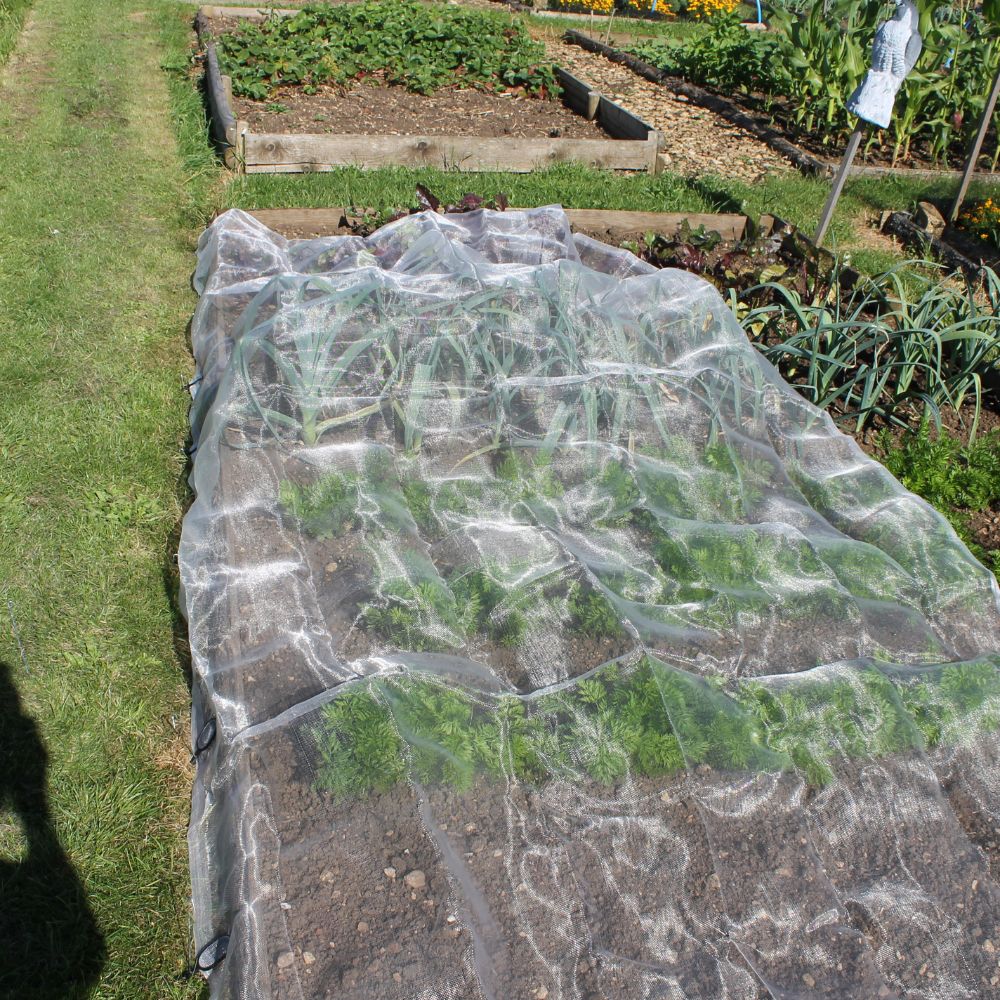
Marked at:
<point>50,944</point>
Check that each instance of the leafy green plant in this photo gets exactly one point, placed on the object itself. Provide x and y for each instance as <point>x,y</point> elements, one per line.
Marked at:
<point>416,612</point>
<point>422,47</point>
<point>726,56</point>
<point>957,479</point>
<point>651,720</point>
<point>591,613</point>
<point>490,608</point>
<point>341,500</point>
<point>311,367</point>
<point>324,508</point>
<point>815,54</point>
<point>358,746</point>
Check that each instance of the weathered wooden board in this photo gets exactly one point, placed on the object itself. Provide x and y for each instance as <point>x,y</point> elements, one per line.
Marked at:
<point>578,95</point>
<point>618,122</point>
<point>285,153</point>
<point>328,221</point>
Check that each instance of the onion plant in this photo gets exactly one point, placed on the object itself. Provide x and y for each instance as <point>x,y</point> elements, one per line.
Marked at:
<point>895,342</point>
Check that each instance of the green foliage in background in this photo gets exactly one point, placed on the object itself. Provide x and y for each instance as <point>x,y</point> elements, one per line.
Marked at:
<point>422,47</point>
<point>814,57</point>
<point>895,344</point>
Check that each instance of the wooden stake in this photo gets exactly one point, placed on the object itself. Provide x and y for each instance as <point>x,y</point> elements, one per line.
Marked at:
<point>975,150</point>
<point>838,183</point>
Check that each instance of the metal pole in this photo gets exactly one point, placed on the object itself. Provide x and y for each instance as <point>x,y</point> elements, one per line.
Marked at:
<point>977,146</point>
<point>838,183</point>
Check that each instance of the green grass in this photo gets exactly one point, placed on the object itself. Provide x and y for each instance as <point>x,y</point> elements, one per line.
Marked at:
<point>677,29</point>
<point>571,185</point>
<point>12,17</point>
<point>793,197</point>
<point>98,216</point>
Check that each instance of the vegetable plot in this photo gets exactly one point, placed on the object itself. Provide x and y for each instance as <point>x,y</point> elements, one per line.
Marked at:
<point>420,46</point>
<point>556,648</point>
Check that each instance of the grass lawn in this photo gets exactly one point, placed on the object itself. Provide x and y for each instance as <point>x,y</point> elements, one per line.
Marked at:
<point>97,227</point>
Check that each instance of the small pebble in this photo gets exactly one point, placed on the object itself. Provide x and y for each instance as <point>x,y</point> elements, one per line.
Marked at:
<point>415,879</point>
<point>808,980</point>
<point>390,872</point>
<point>285,959</point>
<point>363,927</point>
<point>308,957</point>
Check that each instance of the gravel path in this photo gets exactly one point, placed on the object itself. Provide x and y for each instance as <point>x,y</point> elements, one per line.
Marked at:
<point>697,141</point>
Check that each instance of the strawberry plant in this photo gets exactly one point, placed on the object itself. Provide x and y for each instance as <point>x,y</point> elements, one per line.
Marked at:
<point>422,47</point>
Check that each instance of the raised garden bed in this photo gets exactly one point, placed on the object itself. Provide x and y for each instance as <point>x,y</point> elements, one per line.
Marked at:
<point>558,648</point>
<point>466,129</point>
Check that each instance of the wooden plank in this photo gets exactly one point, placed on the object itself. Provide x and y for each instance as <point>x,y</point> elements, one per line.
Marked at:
<point>729,227</point>
<point>288,153</point>
<point>327,221</point>
<point>864,170</point>
<point>618,122</point>
<point>577,94</point>
<point>220,112</point>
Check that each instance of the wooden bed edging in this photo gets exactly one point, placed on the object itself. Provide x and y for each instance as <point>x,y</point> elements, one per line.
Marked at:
<point>634,145</point>
<point>902,226</point>
<point>333,221</point>
<point>279,153</point>
<point>222,123</point>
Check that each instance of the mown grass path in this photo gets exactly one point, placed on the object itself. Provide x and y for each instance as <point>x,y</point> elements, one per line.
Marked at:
<point>96,235</point>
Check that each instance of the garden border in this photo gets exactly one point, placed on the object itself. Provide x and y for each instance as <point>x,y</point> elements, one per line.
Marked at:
<point>903,226</point>
<point>634,146</point>
<point>332,221</point>
<point>725,108</point>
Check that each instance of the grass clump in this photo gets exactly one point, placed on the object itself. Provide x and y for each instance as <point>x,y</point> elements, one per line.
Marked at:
<point>421,46</point>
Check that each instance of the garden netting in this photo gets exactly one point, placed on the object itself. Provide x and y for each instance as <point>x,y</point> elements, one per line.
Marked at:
<point>546,644</point>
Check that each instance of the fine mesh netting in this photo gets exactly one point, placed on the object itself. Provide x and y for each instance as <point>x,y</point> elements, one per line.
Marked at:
<point>557,649</point>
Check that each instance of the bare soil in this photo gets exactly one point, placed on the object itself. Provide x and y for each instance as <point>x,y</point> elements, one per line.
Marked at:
<point>369,108</point>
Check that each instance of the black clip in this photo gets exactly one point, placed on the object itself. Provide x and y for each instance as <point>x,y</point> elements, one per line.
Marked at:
<point>206,737</point>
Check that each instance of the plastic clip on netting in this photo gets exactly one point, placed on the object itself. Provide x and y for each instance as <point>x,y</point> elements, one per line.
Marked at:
<point>555,648</point>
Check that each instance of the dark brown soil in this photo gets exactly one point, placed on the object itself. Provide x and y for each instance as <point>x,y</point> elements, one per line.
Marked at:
<point>871,887</point>
<point>346,923</point>
<point>370,109</point>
